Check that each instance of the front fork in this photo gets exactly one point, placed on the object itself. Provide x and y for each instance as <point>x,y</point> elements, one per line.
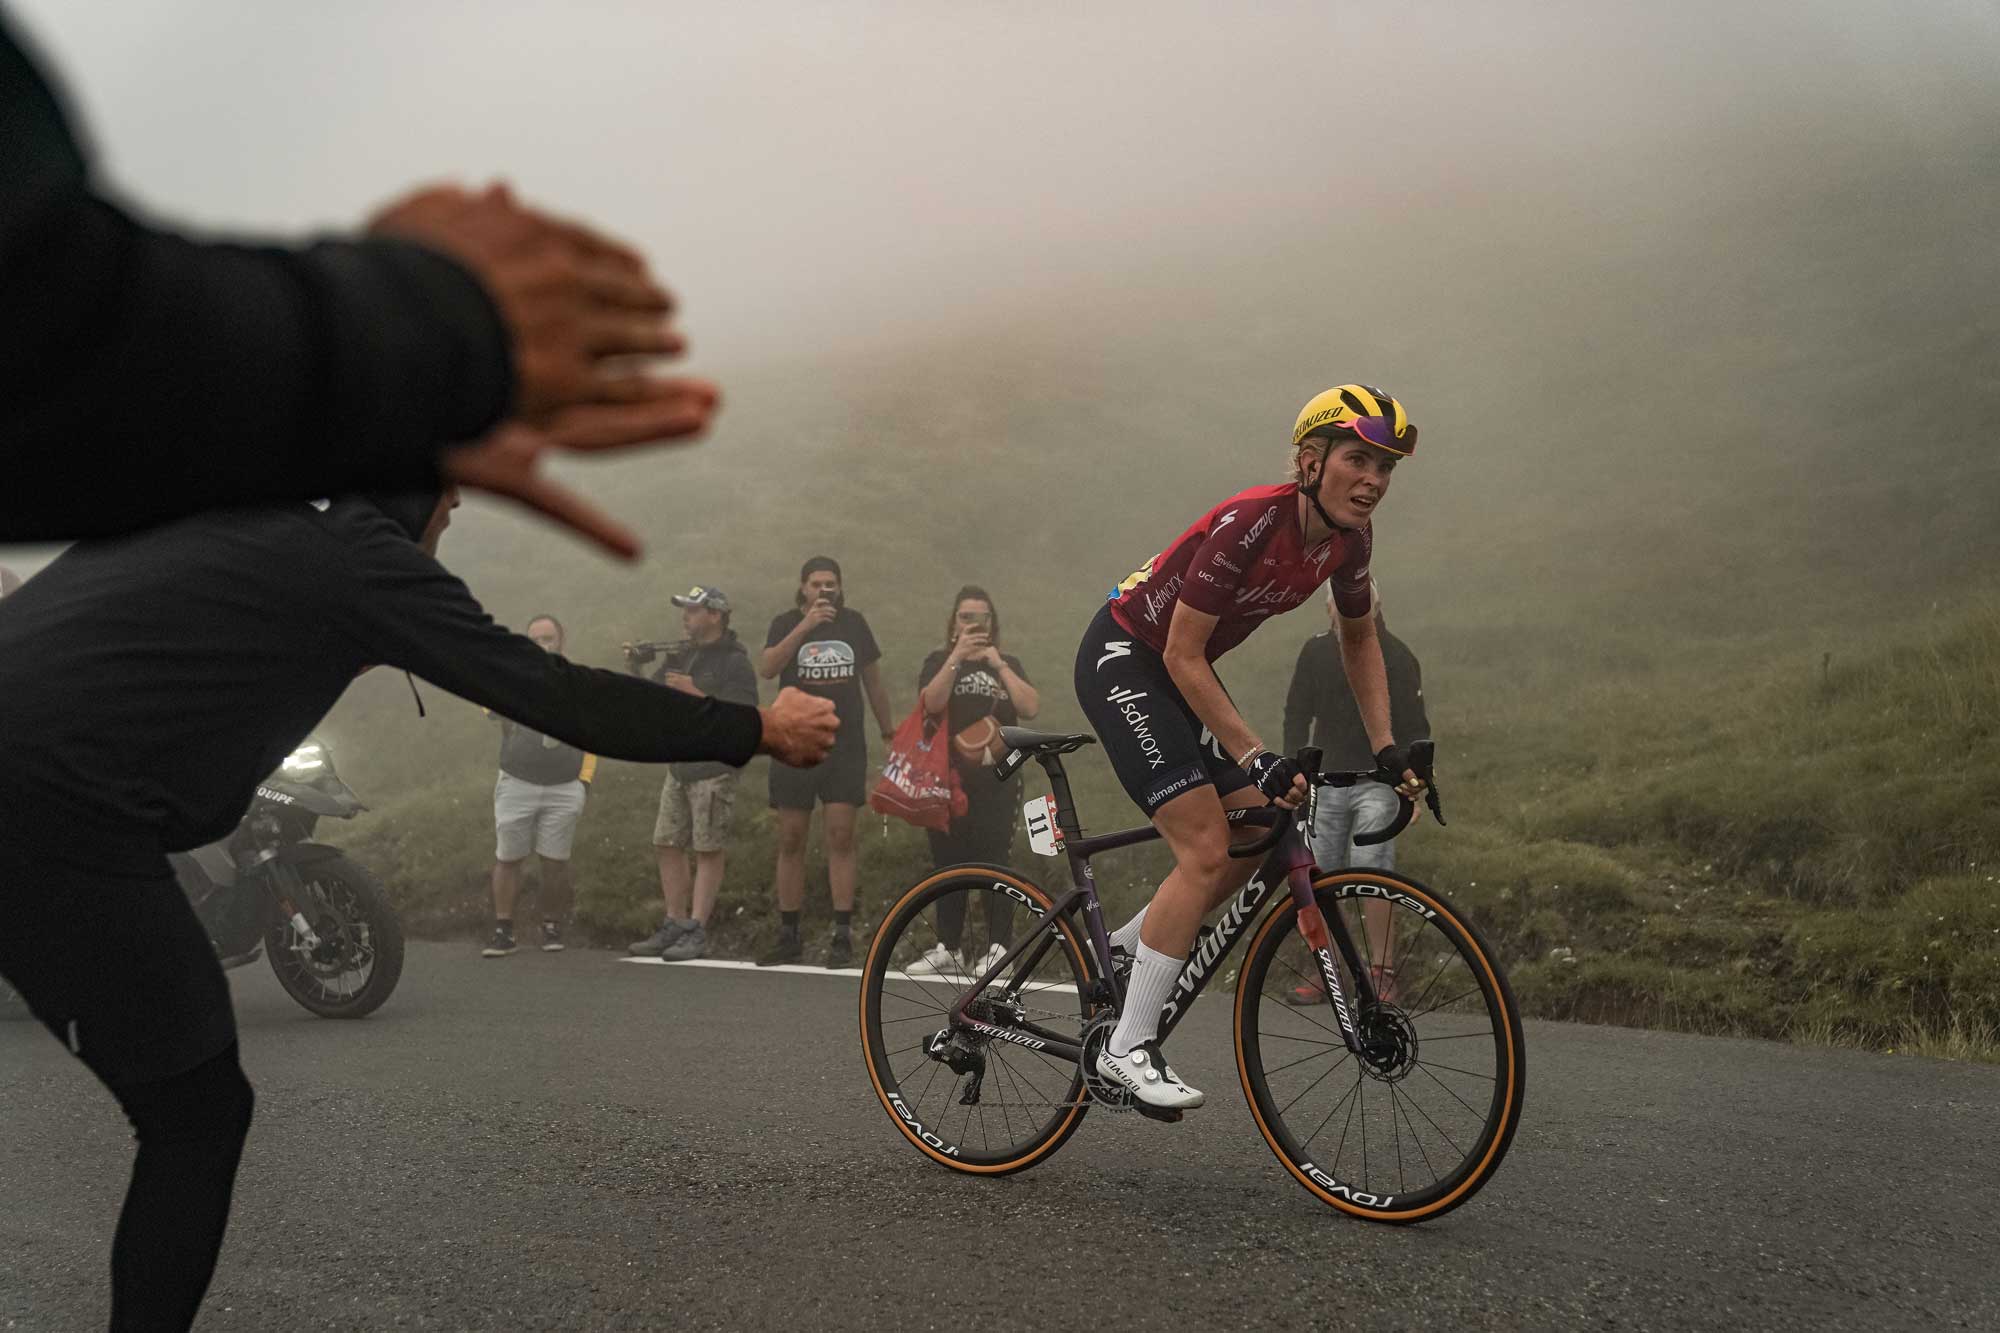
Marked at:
<point>282,881</point>
<point>1323,938</point>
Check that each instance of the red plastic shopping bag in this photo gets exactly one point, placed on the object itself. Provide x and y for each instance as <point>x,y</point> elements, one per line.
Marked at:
<point>917,782</point>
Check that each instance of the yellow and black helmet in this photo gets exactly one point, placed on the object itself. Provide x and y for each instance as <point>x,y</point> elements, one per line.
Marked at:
<point>1357,409</point>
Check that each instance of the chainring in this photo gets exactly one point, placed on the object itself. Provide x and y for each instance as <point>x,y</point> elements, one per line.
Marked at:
<point>1111,1096</point>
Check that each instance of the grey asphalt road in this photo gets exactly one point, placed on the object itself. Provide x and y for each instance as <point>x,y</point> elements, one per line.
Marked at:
<point>566,1141</point>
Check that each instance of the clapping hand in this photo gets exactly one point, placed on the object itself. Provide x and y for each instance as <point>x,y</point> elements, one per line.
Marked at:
<point>583,313</point>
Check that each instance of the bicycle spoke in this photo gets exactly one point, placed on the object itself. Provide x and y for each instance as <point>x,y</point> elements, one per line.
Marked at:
<point>1417,1139</point>
<point>1314,1084</point>
<point>1473,990</point>
<point>1340,1149</point>
<point>1432,1064</point>
<point>1442,1133</point>
<point>1316,1055</point>
<point>1454,1096</point>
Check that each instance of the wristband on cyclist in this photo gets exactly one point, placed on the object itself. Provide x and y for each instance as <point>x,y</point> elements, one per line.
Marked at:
<point>1273,774</point>
<point>1251,753</point>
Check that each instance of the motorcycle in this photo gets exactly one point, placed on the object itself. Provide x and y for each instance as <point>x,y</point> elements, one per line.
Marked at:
<point>267,890</point>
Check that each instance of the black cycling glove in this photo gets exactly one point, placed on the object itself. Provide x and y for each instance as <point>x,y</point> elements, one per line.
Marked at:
<point>1394,761</point>
<point>1273,774</point>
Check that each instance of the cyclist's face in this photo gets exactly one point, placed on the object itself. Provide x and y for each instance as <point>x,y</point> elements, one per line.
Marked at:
<point>1353,482</point>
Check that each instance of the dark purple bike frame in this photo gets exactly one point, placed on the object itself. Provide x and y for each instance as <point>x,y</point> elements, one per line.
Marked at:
<point>1288,862</point>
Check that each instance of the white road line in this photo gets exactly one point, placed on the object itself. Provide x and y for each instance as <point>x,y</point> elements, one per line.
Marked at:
<point>733,966</point>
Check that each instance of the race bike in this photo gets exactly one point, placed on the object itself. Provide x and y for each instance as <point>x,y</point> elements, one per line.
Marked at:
<point>268,890</point>
<point>1377,1040</point>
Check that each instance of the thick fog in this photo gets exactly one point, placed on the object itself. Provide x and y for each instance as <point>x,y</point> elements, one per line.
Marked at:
<point>1694,304</point>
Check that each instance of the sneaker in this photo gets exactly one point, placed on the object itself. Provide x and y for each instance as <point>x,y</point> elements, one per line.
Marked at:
<point>692,943</point>
<point>788,949</point>
<point>840,949</point>
<point>659,941</point>
<point>993,954</point>
<point>1145,1074</point>
<point>1305,995</point>
<point>551,937</point>
<point>500,945</point>
<point>937,961</point>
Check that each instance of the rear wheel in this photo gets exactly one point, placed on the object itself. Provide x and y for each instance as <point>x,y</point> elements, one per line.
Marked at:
<point>1415,1125</point>
<point>969,1097</point>
<point>355,956</point>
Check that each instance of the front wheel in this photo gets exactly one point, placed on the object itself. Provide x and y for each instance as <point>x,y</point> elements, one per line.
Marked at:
<point>1417,1124</point>
<point>355,956</point>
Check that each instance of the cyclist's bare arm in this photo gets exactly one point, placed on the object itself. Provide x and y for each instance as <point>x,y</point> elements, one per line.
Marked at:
<point>1187,662</point>
<point>1368,680</point>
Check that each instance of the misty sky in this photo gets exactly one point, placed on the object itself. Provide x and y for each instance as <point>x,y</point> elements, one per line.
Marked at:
<point>817,179</point>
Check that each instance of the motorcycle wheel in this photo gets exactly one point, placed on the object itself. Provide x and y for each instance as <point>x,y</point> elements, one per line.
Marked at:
<point>359,958</point>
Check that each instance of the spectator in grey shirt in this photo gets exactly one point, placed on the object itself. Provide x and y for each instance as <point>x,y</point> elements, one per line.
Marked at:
<point>697,799</point>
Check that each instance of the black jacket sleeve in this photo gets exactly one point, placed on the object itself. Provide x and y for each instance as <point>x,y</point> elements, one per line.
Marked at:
<point>404,609</point>
<point>144,375</point>
<point>1299,701</point>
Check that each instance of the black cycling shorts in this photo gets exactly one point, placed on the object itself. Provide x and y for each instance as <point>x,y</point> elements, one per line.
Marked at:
<point>1156,744</point>
<point>839,779</point>
<point>115,964</point>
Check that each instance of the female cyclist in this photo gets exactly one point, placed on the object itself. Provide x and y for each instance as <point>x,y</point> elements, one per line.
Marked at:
<point>1145,676</point>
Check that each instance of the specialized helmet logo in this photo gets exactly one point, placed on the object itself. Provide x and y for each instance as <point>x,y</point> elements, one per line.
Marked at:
<point>1338,407</point>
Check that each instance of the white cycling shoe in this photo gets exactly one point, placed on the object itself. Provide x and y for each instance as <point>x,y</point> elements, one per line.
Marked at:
<point>1144,1072</point>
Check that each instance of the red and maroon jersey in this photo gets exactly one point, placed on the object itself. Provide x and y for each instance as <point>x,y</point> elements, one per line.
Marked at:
<point>1243,562</point>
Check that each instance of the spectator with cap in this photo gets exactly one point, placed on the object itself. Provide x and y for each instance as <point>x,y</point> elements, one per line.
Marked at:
<point>1319,704</point>
<point>824,647</point>
<point>697,799</point>
<point>537,802</point>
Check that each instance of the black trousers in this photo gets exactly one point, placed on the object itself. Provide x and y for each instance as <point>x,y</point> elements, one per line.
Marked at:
<point>112,960</point>
<point>984,833</point>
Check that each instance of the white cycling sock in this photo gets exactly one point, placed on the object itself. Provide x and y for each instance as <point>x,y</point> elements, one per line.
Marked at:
<point>1153,977</point>
<point>1126,936</point>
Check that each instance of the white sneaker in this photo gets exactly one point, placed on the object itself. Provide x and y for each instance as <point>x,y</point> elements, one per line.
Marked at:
<point>938,962</point>
<point>993,955</point>
<point>1144,1073</point>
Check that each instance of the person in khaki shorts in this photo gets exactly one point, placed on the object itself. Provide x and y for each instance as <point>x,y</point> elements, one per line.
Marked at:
<point>697,799</point>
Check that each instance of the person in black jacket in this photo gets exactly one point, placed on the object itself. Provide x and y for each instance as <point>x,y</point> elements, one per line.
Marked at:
<point>1320,707</point>
<point>144,375</point>
<point>697,799</point>
<point>147,683</point>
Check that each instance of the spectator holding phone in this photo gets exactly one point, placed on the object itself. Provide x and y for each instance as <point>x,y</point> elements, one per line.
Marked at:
<point>974,689</point>
<point>823,646</point>
<point>697,799</point>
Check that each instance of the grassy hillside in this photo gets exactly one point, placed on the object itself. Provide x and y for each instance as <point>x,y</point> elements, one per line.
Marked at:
<point>1692,555</point>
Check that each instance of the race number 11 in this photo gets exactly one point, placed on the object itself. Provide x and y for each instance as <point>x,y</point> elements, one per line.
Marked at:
<point>1040,814</point>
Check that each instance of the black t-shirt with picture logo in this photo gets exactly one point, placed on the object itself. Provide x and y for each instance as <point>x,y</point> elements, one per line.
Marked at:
<point>829,664</point>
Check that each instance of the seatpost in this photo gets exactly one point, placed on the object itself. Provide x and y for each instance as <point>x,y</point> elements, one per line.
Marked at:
<point>1059,787</point>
